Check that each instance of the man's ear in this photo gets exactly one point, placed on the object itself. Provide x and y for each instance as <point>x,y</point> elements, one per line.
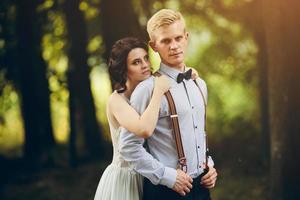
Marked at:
<point>187,35</point>
<point>152,45</point>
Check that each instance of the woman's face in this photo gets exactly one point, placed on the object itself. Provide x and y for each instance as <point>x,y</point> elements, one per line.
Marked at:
<point>138,65</point>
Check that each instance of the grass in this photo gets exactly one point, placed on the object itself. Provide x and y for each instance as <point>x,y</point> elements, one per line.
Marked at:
<point>57,183</point>
<point>81,183</point>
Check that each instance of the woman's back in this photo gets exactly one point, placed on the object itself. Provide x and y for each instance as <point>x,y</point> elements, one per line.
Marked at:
<point>118,181</point>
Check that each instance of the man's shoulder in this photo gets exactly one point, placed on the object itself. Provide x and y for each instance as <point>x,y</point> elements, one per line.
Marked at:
<point>142,93</point>
<point>201,82</point>
<point>146,84</point>
<point>145,87</point>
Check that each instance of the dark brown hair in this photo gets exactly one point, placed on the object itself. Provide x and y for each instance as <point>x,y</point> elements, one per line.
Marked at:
<point>117,63</point>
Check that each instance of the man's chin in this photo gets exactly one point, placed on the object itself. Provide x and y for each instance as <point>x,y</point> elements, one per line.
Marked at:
<point>177,62</point>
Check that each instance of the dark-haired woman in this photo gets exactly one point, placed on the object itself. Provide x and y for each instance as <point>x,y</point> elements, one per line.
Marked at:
<point>128,65</point>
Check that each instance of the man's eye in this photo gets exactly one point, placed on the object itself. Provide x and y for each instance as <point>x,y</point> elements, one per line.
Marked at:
<point>165,41</point>
<point>179,38</point>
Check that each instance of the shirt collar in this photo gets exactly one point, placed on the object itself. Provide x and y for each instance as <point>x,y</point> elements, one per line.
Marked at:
<point>170,71</point>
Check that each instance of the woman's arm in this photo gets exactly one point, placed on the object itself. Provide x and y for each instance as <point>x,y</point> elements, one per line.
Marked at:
<point>128,118</point>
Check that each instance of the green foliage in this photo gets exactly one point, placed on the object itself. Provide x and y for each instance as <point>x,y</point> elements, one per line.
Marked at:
<point>54,45</point>
<point>225,55</point>
<point>101,89</point>
<point>11,125</point>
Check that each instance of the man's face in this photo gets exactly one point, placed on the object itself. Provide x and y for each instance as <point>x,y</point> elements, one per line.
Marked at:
<point>170,42</point>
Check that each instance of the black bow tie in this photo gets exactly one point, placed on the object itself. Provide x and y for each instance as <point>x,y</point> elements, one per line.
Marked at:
<point>186,75</point>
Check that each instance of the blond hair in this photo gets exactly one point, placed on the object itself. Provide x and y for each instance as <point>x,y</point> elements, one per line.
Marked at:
<point>163,17</point>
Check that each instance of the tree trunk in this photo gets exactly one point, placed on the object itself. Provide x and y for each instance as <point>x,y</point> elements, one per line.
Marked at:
<point>82,109</point>
<point>257,28</point>
<point>282,28</point>
<point>34,88</point>
<point>119,20</point>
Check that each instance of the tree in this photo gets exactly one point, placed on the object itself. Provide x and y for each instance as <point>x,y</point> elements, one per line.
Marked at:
<point>282,29</point>
<point>119,20</point>
<point>81,103</point>
<point>33,84</point>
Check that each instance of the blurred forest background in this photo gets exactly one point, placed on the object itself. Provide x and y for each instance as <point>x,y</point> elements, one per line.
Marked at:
<point>54,137</point>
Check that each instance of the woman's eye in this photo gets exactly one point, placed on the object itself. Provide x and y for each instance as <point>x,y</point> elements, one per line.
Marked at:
<point>136,62</point>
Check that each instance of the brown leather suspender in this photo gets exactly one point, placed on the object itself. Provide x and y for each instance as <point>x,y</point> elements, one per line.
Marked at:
<point>176,129</point>
<point>176,132</point>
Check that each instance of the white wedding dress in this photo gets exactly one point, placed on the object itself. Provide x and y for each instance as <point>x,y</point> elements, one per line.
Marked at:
<point>118,181</point>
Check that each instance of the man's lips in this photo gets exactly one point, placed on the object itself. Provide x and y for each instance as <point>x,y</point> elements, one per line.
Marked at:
<point>175,54</point>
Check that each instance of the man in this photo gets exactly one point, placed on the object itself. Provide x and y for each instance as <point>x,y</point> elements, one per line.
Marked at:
<point>169,38</point>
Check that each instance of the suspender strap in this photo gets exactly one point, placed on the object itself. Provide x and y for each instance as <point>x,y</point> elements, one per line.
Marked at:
<point>176,132</point>
<point>176,129</point>
<point>205,104</point>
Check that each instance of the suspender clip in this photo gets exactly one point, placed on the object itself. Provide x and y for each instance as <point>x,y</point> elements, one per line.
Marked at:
<point>182,163</point>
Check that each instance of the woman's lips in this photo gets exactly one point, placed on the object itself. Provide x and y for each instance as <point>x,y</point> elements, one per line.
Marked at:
<point>146,72</point>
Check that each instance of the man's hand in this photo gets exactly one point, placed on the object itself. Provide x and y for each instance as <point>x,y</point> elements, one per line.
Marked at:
<point>183,183</point>
<point>209,179</point>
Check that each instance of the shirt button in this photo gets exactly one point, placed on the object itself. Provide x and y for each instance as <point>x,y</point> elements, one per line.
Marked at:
<point>192,107</point>
<point>198,147</point>
<point>196,126</point>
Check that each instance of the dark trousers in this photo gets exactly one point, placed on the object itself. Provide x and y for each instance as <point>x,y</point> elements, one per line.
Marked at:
<point>161,192</point>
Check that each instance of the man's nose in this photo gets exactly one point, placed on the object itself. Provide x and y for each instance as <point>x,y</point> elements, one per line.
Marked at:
<point>173,45</point>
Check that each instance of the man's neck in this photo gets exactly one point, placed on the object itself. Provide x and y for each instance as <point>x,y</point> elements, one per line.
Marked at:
<point>180,67</point>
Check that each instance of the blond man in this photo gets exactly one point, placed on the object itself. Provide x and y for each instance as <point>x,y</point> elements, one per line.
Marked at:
<point>159,163</point>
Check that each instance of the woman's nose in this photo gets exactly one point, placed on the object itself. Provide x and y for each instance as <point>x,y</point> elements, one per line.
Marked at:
<point>145,64</point>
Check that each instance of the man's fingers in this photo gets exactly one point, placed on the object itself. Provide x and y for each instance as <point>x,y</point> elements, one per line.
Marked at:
<point>190,179</point>
<point>189,185</point>
<point>209,173</point>
<point>210,186</point>
<point>210,177</point>
<point>186,189</point>
<point>209,182</point>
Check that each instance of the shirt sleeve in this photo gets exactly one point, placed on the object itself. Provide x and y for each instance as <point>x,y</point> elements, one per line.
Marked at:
<point>210,162</point>
<point>131,146</point>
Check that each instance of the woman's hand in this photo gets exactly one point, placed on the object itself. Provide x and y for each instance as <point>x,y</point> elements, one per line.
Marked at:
<point>162,84</point>
<point>195,74</point>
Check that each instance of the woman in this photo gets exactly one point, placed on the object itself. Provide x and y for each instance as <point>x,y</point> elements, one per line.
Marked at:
<point>128,65</point>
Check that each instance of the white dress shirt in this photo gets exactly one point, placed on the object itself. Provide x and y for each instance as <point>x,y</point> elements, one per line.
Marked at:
<point>159,162</point>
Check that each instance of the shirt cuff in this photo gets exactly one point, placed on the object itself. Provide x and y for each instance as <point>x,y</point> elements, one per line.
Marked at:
<point>210,162</point>
<point>169,177</point>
